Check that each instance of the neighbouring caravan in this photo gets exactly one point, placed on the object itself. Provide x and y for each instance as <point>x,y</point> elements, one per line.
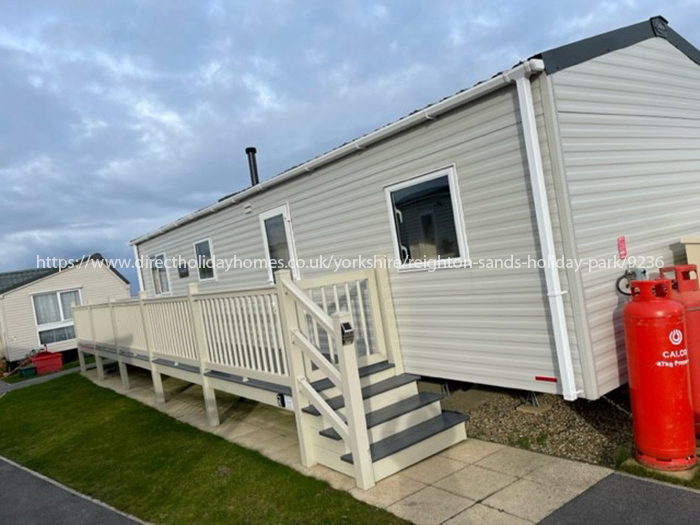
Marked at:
<point>36,304</point>
<point>554,159</point>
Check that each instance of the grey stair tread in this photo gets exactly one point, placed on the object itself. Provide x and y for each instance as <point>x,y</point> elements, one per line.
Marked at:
<point>391,412</point>
<point>254,383</point>
<point>411,436</point>
<point>325,384</point>
<point>371,390</point>
<point>174,364</point>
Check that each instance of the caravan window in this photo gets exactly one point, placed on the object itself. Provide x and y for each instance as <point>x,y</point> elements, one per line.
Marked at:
<point>205,261</point>
<point>53,315</point>
<point>159,273</point>
<point>426,219</point>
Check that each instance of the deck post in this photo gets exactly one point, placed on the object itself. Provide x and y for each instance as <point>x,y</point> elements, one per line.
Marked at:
<point>99,363</point>
<point>155,374</point>
<point>81,360</point>
<point>386,301</point>
<point>123,371</point>
<point>201,348</point>
<point>355,408</point>
<point>295,360</point>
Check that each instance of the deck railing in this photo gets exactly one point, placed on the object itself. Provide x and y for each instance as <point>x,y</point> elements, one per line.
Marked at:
<point>307,360</point>
<point>290,335</point>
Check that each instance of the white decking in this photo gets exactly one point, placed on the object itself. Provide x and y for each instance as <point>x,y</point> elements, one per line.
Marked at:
<point>323,349</point>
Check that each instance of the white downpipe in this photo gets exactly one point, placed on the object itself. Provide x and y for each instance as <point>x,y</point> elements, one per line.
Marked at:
<point>138,268</point>
<point>544,228</point>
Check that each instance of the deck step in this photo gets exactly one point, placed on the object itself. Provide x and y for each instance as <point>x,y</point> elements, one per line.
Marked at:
<point>391,412</point>
<point>372,390</point>
<point>325,384</point>
<point>398,442</point>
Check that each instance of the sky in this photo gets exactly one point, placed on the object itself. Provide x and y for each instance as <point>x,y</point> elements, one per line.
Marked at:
<point>117,117</point>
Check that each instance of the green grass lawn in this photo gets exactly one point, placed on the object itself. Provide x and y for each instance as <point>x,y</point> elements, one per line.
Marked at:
<point>16,378</point>
<point>145,463</point>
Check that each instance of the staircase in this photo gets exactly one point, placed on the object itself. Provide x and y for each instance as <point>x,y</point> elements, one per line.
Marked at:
<point>355,409</point>
<point>404,425</point>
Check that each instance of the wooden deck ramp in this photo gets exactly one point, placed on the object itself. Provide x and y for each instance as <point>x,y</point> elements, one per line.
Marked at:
<point>326,348</point>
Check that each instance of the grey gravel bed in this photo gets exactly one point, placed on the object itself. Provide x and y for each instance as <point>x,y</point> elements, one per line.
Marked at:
<point>591,431</point>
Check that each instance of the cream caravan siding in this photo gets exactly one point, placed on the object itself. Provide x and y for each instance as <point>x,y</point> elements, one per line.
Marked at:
<point>96,285</point>
<point>488,326</point>
<point>630,135</point>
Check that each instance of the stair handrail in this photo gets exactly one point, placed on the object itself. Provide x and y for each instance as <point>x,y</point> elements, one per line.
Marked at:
<point>346,377</point>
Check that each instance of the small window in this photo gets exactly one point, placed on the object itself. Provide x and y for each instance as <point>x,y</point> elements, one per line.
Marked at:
<point>159,273</point>
<point>426,218</point>
<point>279,246</point>
<point>205,260</point>
<point>54,317</point>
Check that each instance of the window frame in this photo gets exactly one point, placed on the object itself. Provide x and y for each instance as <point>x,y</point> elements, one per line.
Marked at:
<point>289,232</point>
<point>167,276</point>
<point>457,212</point>
<point>63,323</point>
<point>214,277</point>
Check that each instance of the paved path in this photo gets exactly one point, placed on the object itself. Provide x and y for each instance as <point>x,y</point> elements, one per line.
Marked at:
<point>7,387</point>
<point>29,499</point>
<point>624,500</point>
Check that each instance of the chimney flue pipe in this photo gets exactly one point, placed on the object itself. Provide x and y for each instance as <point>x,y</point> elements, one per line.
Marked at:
<point>253,166</point>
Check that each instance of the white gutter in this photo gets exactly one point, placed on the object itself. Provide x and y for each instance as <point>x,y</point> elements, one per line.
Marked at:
<point>544,228</point>
<point>429,113</point>
<point>138,268</point>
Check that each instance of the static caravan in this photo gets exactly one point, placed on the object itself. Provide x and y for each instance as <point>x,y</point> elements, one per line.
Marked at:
<point>552,160</point>
<point>35,304</point>
<point>474,214</point>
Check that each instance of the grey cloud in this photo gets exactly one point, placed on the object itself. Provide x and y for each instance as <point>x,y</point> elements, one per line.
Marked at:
<point>118,116</point>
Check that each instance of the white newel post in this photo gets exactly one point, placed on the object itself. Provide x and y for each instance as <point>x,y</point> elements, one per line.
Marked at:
<point>295,362</point>
<point>354,404</point>
<point>99,363</point>
<point>148,337</point>
<point>386,301</point>
<point>123,371</point>
<point>201,348</point>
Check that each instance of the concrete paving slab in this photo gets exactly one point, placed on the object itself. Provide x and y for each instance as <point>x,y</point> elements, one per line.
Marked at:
<point>433,469</point>
<point>529,500</point>
<point>472,450</point>
<point>624,500</point>
<point>572,475</point>
<point>515,461</point>
<point>483,515</point>
<point>388,491</point>
<point>30,499</point>
<point>475,483</point>
<point>430,506</point>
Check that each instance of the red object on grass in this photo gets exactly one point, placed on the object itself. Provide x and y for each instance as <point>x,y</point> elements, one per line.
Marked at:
<point>47,362</point>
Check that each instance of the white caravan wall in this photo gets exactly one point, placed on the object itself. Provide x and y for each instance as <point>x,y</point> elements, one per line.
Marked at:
<point>480,325</point>
<point>630,135</point>
<point>96,285</point>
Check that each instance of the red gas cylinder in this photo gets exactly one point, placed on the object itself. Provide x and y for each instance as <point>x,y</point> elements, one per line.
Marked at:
<point>657,364</point>
<point>687,292</point>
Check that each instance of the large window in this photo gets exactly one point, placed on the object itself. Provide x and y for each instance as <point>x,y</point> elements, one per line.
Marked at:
<point>205,261</point>
<point>54,318</point>
<point>159,273</point>
<point>279,245</point>
<point>426,219</point>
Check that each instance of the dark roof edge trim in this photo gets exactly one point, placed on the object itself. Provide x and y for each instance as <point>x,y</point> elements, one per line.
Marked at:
<point>575,53</point>
<point>53,271</point>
